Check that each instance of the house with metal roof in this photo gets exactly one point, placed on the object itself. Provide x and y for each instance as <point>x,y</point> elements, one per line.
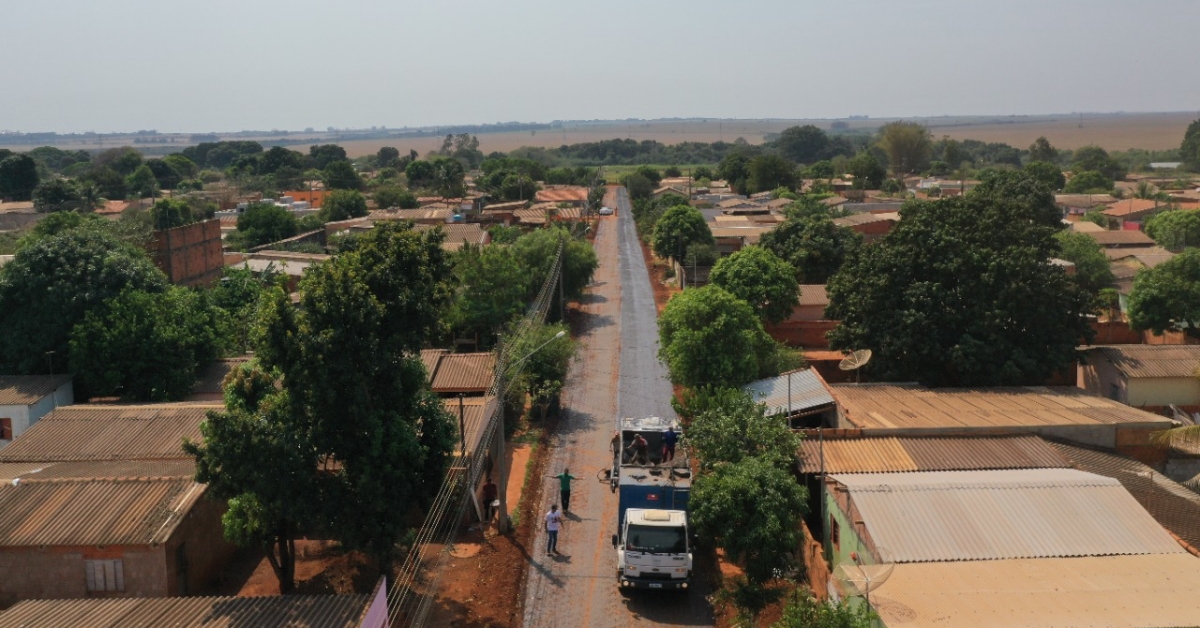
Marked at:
<point>26,398</point>
<point>798,395</point>
<point>292,611</point>
<point>1144,376</point>
<point>840,454</point>
<point>111,432</point>
<point>82,529</point>
<point>454,373</point>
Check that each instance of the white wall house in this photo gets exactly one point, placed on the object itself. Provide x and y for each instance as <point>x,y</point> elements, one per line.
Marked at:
<point>26,398</point>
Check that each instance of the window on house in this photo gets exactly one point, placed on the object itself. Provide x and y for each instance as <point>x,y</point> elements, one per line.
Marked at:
<point>6,429</point>
<point>835,532</point>
<point>105,575</point>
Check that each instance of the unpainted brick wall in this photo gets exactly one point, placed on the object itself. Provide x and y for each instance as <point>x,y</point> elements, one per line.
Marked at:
<point>190,255</point>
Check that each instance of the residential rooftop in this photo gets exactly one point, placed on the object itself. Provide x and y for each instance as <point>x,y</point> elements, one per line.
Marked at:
<point>891,454</point>
<point>24,390</point>
<point>1137,361</point>
<point>791,392</point>
<point>110,432</point>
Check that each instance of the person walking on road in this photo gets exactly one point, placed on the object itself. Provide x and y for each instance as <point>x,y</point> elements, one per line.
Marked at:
<point>564,485</point>
<point>553,524</point>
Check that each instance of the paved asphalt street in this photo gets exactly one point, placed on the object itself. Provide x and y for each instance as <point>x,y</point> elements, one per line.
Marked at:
<point>616,373</point>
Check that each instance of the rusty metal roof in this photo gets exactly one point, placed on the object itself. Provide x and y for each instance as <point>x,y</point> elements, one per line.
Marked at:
<point>464,372</point>
<point>889,454</point>
<point>98,470</point>
<point>1016,513</point>
<point>475,412</point>
<point>1173,505</point>
<point>458,234</point>
<point>430,358</point>
<point>293,611</point>
<point>1112,238</point>
<point>813,294</point>
<point>1150,360</point>
<point>24,390</point>
<point>104,432</point>
<point>93,512</point>
<point>1109,591</point>
<point>912,407</point>
<point>565,193</point>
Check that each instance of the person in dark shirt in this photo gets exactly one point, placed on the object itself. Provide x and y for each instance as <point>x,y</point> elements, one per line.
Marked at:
<point>669,438</point>
<point>489,498</point>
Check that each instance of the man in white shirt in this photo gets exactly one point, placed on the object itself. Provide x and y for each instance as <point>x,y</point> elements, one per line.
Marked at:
<point>553,523</point>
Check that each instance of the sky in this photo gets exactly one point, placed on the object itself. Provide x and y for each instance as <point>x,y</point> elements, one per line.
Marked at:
<point>228,65</point>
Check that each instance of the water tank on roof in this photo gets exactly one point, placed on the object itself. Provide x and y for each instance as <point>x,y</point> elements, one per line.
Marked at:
<point>457,217</point>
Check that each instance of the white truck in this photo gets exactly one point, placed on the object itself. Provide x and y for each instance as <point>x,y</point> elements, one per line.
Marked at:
<point>653,539</point>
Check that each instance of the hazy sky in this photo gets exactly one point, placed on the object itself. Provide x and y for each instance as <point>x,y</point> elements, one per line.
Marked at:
<point>225,65</point>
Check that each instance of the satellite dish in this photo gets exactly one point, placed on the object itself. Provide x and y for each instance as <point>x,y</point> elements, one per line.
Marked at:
<point>855,360</point>
<point>859,580</point>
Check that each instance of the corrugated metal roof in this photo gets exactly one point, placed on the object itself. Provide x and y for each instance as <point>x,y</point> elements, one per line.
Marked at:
<point>464,372</point>
<point>430,358</point>
<point>93,512</point>
<point>884,454</point>
<point>1109,591</point>
<point>899,406</point>
<point>103,432</point>
<point>1150,360</point>
<point>1174,506</point>
<point>813,294</point>
<point>25,390</point>
<point>292,611</point>
<point>802,389</point>
<point>98,470</point>
<point>565,193</point>
<point>1109,238</point>
<point>458,233</point>
<point>475,411</point>
<point>1018,513</point>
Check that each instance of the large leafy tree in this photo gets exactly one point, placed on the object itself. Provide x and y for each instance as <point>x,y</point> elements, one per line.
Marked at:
<point>145,346</point>
<point>1088,182</point>
<point>263,222</point>
<point>962,292</point>
<point>388,197</point>
<point>908,146</point>
<point>493,288</point>
<point>544,374</point>
<point>54,281</point>
<point>341,175</point>
<point>1092,269</point>
<point>752,510</point>
<point>1048,173</point>
<point>760,278</point>
<point>679,228</point>
<point>1175,230</point>
<point>535,251</point>
<point>809,240</point>
<point>1094,158</point>
<point>731,427</point>
<point>1041,150</point>
<point>18,177</point>
<point>448,177</point>
<point>169,213</point>
<point>343,205</point>
<point>268,507</point>
<point>56,195</point>
<point>1189,150</point>
<point>710,337</point>
<point>767,172</point>
<point>141,183</point>
<point>1168,295</point>
<point>868,172</point>
<point>348,361</point>
<point>803,144</point>
<point>321,156</point>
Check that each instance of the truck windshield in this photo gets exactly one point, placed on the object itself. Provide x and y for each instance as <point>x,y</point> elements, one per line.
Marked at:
<point>657,540</point>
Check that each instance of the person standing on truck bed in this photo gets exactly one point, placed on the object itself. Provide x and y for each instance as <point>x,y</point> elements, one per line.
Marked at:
<point>553,523</point>
<point>564,485</point>
<point>669,438</point>
<point>640,450</point>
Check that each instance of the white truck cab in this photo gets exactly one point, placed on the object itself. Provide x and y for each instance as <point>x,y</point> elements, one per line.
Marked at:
<point>653,550</point>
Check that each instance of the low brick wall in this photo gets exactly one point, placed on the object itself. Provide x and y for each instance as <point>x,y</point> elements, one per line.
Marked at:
<point>190,255</point>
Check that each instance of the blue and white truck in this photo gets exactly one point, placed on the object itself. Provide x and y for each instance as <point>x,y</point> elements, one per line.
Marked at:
<point>653,540</point>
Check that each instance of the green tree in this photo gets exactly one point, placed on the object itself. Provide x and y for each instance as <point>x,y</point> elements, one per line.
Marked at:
<point>1096,159</point>
<point>237,296</point>
<point>1175,230</point>
<point>340,175</point>
<point>639,187</point>
<point>803,144</point>
<point>493,288</point>
<point>710,337</point>
<point>261,223</point>
<point>322,155</point>
<point>545,373</point>
<point>141,183</point>
<point>18,178</point>
<point>820,170</point>
<point>908,146</point>
<point>56,195</point>
<point>165,174</point>
<point>962,292</point>
<point>1092,269</point>
<point>1048,173</point>
<point>110,182</point>
<point>343,205</point>
<point>672,171</point>
<point>1168,296</point>
<point>124,160</point>
<point>867,171</point>
<point>1088,182</point>
<point>752,510</point>
<point>535,252</point>
<point>651,174</point>
<point>169,213</point>
<point>419,174</point>
<point>702,172</point>
<point>680,227</point>
<point>767,172</point>
<point>387,156</point>
<point>805,611</point>
<point>448,177</point>
<point>1041,150</point>
<point>267,510</point>
<point>760,278</point>
<point>809,240</point>
<point>348,360</point>
<point>184,166</point>
<point>1189,150</point>
<point>54,281</point>
<point>731,427</point>
<point>144,346</point>
<point>395,197</point>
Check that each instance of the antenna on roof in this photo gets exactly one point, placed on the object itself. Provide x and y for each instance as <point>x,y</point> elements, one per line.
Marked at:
<point>858,579</point>
<point>855,361</point>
